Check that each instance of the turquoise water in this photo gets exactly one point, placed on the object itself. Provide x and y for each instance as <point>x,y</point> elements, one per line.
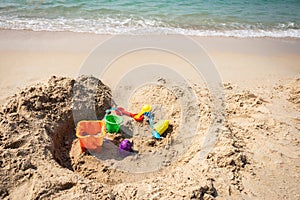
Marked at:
<point>241,18</point>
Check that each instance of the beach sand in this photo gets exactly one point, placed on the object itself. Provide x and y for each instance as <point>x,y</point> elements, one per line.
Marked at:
<point>256,154</point>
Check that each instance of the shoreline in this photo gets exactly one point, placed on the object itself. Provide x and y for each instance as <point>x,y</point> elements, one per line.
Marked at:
<point>157,34</point>
<point>243,33</point>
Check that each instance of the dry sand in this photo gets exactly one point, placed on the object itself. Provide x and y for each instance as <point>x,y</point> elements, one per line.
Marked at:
<point>256,155</point>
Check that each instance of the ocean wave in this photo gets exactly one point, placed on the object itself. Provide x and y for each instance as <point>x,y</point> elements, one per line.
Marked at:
<point>139,26</point>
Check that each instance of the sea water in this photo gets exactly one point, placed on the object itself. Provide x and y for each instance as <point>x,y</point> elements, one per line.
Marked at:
<point>239,18</point>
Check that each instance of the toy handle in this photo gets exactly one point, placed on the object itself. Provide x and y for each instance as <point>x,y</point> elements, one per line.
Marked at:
<point>121,111</point>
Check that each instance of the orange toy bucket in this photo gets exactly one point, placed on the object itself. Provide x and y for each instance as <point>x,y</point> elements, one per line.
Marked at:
<point>90,134</point>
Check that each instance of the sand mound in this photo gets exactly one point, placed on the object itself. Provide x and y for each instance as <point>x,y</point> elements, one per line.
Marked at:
<point>37,129</point>
<point>254,155</point>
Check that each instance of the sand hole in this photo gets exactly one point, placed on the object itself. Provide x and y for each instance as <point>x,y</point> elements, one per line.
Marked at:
<point>62,139</point>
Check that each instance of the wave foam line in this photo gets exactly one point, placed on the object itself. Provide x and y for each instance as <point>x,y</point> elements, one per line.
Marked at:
<point>134,27</point>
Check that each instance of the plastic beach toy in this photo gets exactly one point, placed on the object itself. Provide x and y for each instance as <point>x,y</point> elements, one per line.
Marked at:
<point>125,148</point>
<point>158,128</point>
<point>113,123</point>
<point>161,126</point>
<point>145,108</point>
<point>90,134</point>
<point>121,111</point>
<point>125,145</point>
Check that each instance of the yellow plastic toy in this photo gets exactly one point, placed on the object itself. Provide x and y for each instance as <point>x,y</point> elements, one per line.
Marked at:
<point>161,126</point>
<point>145,108</point>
